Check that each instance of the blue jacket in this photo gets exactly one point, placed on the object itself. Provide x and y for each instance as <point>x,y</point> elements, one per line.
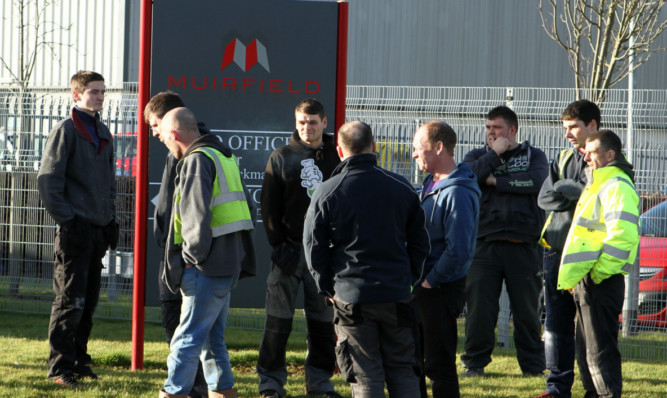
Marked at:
<point>452,216</point>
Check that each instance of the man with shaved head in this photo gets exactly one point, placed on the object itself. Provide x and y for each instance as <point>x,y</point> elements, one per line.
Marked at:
<point>209,247</point>
<point>365,244</point>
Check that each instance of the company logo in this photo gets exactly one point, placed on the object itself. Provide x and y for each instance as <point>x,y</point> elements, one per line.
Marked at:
<point>245,56</point>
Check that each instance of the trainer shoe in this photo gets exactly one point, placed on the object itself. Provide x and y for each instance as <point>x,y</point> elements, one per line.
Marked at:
<point>328,394</point>
<point>67,380</point>
<point>473,372</point>
<point>84,371</point>
<point>271,394</point>
<point>545,395</point>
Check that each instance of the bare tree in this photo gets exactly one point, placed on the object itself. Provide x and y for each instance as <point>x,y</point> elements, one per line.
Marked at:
<point>34,34</point>
<point>605,39</point>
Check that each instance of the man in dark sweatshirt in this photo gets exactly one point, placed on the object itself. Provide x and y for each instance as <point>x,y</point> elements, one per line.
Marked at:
<point>510,175</point>
<point>558,196</point>
<point>450,199</point>
<point>365,244</point>
<point>293,172</point>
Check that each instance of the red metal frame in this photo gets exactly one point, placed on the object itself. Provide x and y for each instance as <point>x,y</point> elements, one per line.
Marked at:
<point>141,189</point>
<point>341,67</point>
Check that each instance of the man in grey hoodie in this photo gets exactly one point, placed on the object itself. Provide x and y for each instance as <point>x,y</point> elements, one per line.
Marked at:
<point>208,248</point>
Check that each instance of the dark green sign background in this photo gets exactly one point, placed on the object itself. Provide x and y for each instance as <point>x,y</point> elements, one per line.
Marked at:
<point>241,66</point>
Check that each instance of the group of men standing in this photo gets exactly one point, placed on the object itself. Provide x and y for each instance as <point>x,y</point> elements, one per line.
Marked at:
<point>386,270</point>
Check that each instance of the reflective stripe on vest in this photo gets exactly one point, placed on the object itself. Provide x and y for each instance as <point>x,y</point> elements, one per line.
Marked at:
<point>229,209</point>
<point>594,222</point>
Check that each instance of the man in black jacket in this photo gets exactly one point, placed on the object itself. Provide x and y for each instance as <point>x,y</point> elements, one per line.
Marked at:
<point>365,242</point>
<point>293,172</point>
<point>510,175</point>
<point>559,195</point>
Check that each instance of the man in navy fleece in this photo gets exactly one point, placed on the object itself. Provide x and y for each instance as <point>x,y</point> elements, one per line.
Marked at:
<point>450,199</point>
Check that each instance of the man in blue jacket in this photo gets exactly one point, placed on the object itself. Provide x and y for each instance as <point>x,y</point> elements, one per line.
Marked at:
<point>450,199</point>
<point>365,245</point>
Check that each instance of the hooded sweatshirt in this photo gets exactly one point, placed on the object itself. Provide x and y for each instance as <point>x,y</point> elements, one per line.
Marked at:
<point>452,216</point>
<point>222,256</point>
<point>509,209</point>
<point>292,174</point>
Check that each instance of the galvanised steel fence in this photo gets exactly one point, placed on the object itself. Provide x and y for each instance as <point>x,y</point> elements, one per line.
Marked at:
<point>394,113</point>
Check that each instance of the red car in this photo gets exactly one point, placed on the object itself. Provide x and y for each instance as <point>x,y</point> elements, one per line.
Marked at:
<point>652,310</point>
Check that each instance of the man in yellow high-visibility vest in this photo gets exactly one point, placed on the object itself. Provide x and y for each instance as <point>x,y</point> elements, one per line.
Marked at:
<point>209,246</point>
<point>600,248</point>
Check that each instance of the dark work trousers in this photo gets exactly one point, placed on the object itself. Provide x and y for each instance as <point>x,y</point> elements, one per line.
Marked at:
<point>439,309</point>
<point>376,346</point>
<point>76,284</point>
<point>170,303</point>
<point>281,292</point>
<point>520,266</point>
<point>558,330</point>
<point>598,357</point>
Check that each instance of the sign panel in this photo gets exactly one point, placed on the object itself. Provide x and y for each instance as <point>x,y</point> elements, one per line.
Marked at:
<point>241,66</point>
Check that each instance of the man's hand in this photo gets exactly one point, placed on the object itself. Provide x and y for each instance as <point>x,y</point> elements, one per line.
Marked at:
<point>499,145</point>
<point>426,285</point>
<point>491,180</point>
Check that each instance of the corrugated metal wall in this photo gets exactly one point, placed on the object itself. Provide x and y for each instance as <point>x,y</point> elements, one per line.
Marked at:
<point>84,34</point>
<point>471,43</point>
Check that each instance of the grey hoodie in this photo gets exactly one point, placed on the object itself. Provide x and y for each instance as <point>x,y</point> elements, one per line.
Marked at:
<point>222,256</point>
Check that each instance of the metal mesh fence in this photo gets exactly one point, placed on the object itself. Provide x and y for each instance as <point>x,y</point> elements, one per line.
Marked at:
<point>394,113</point>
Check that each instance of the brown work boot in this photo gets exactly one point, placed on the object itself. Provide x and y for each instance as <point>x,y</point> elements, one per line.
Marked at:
<point>231,393</point>
<point>164,394</point>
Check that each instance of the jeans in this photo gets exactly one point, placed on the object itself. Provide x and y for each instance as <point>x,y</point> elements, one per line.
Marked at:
<point>201,334</point>
<point>558,330</point>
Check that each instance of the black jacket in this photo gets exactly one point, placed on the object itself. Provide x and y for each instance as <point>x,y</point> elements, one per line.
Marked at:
<point>365,237</point>
<point>559,195</point>
<point>509,210</point>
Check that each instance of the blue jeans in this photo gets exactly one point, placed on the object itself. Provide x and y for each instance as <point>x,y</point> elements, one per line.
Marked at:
<point>558,330</point>
<point>201,333</point>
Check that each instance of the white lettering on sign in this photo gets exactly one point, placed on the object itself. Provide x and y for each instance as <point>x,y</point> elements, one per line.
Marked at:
<point>254,140</point>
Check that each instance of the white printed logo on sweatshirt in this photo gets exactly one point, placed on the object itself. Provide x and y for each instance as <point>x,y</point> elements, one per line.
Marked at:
<point>311,176</point>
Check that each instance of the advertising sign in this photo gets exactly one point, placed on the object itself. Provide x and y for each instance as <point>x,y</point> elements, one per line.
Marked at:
<point>242,66</point>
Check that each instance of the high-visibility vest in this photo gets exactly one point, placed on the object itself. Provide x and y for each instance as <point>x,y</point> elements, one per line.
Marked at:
<point>229,209</point>
<point>563,157</point>
<point>604,235</point>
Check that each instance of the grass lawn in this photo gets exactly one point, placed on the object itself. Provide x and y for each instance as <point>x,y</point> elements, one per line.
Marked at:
<point>24,350</point>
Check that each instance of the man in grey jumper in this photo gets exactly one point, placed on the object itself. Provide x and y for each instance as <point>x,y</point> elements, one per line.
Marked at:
<point>77,185</point>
